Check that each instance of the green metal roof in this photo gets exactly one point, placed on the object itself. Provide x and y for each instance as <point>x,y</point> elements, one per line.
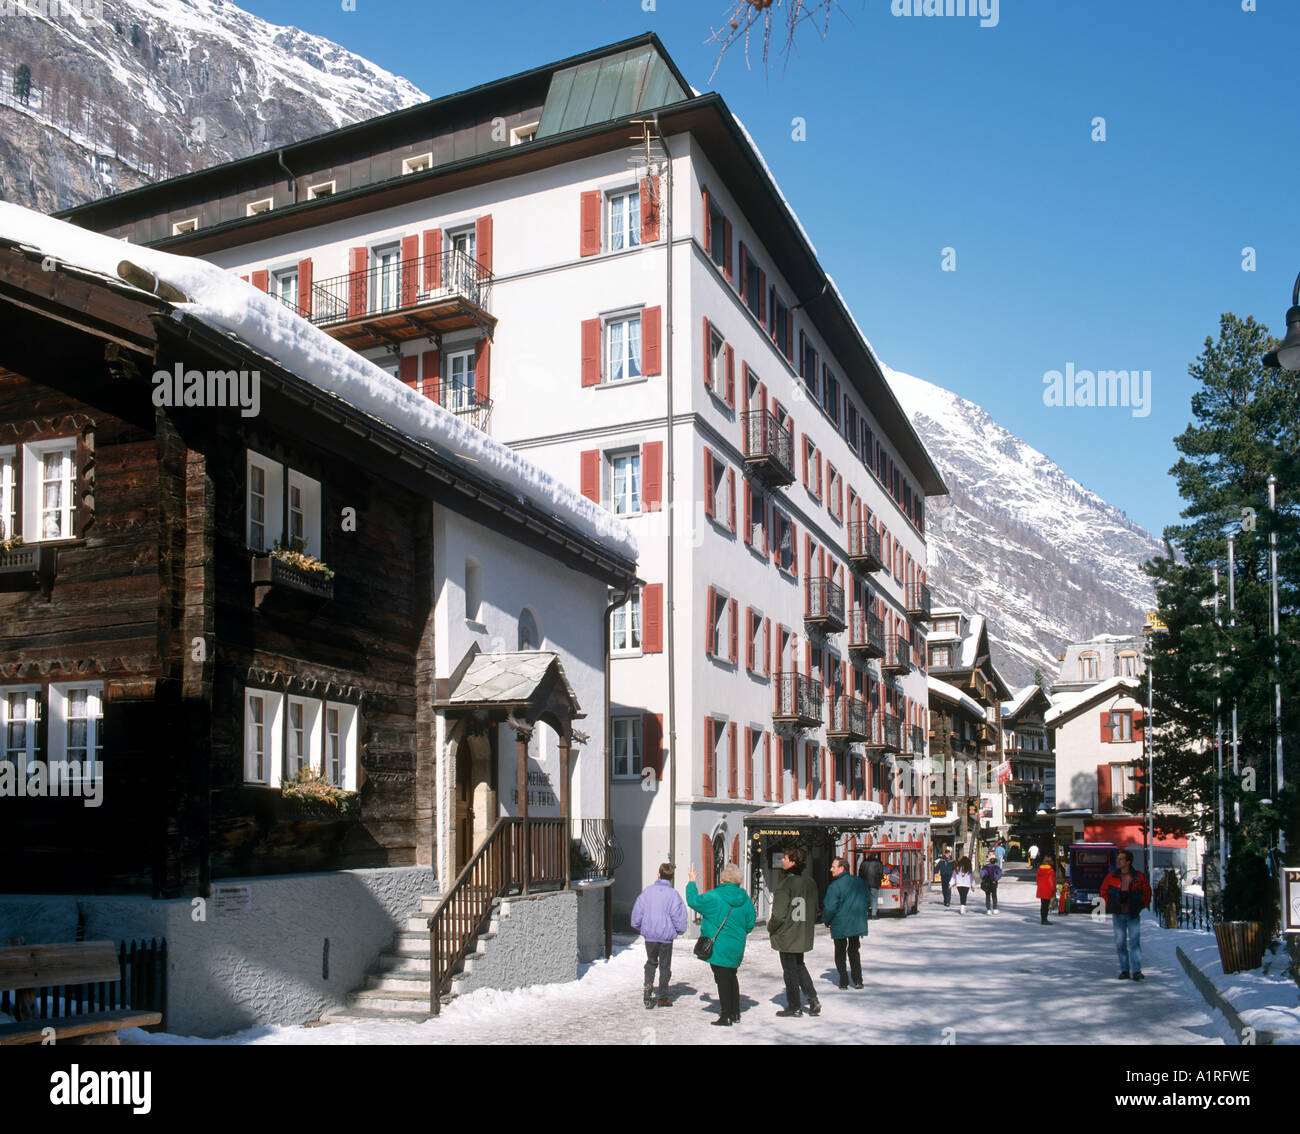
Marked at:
<point>599,90</point>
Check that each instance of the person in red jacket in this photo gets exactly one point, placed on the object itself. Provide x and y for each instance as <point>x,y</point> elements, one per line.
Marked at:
<point>1046,887</point>
<point>1127,893</point>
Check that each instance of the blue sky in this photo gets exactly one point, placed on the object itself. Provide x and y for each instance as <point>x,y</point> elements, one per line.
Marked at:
<point>930,133</point>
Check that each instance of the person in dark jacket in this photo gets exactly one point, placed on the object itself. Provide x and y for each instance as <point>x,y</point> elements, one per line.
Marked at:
<point>844,912</point>
<point>872,872</point>
<point>989,878</point>
<point>945,866</point>
<point>659,915</point>
<point>790,926</point>
<point>1127,893</point>
<point>729,915</point>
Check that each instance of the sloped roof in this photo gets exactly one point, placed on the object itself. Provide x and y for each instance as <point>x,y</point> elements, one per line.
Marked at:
<point>952,693</point>
<point>1067,706</point>
<point>598,90</point>
<point>507,678</point>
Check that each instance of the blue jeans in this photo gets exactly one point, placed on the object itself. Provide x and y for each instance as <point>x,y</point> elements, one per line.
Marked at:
<point>1128,942</point>
<point>873,899</point>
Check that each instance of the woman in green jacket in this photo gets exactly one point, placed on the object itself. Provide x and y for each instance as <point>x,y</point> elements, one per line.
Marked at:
<point>729,915</point>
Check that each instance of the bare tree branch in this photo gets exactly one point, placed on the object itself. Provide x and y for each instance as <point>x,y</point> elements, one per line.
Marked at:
<point>748,18</point>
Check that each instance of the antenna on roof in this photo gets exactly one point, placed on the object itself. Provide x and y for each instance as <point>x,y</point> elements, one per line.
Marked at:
<point>647,156</point>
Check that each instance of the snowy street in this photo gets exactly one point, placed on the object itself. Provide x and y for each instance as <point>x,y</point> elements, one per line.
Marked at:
<point>1000,979</point>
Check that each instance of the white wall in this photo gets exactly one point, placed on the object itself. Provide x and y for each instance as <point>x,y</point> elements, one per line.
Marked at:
<point>1079,749</point>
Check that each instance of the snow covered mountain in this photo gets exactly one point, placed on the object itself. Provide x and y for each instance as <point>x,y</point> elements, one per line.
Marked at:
<point>144,89</point>
<point>1018,540</point>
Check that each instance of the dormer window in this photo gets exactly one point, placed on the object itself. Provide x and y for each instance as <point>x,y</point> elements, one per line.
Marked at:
<point>416,164</point>
<point>262,206</point>
<point>325,189</point>
<point>525,133</point>
<point>180,228</point>
<point>1088,666</point>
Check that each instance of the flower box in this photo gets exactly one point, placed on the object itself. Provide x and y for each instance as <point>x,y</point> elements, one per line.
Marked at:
<point>270,572</point>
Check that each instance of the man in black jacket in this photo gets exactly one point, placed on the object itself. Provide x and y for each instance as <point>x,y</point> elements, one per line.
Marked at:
<point>872,872</point>
<point>791,926</point>
<point>945,866</point>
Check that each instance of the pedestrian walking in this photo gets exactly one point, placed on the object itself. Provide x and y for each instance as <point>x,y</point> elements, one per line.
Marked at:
<point>945,866</point>
<point>1127,893</point>
<point>872,872</point>
<point>963,879</point>
<point>659,915</point>
<point>989,878</point>
<point>1168,899</point>
<point>1033,855</point>
<point>1000,853</point>
<point>728,915</point>
<point>790,927</point>
<point>1046,889</point>
<point>844,912</point>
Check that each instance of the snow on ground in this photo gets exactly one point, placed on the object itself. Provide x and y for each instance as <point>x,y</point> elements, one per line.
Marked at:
<point>1266,999</point>
<point>1001,979</point>
<point>223,301</point>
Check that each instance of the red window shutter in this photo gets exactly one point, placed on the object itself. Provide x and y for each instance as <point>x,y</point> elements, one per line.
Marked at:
<point>762,296</point>
<point>794,548</point>
<point>245,279</point>
<point>408,370</point>
<point>749,763</point>
<point>591,352</point>
<point>731,375</point>
<point>431,363</point>
<point>410,270</point>
<point>432,259</point>
<point>726,251</point>
<point>708,224</point>
<point>749,517</point>
<point>708,354</point>
<point>821,769</point>
<point>1138,732</point>
<point>710,756</point>
<point>803,358</point>
<point>649,210</point>
<point>652,618</point>
<point>766,526</point>
<point>804,449</point>
<point>731,760</point>
<point>357,258</point>
<point>304,288</point>
<point>483,241</point>
<point>262,280</point>
<point>710,626</point>
<point>789,336</point>
<point>731,499</point>
<point>735,628</point>
<point>767,766</point>
<point>706,865</point>
<point>1103,788</point>
<point>651,353</point>
<point>744,270</point>
<point>767,647</point>
<point>591,474</point>
<point>749,638</point>
<point>809,760</point>
<point>652,742</point>
<point>482,369</point>
<point>589,234</point>
<point>735,850</point>
<point>652,476</point>
<point>709,502</point>
<point>1105,727</point>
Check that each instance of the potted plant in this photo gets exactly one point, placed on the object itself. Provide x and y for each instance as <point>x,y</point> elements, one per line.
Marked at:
<point>1249,911</point>
<point>10,543</point>
<point>311,793</point>
<point>295,555</point>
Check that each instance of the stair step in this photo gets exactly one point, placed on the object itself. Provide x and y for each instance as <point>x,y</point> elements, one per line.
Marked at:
<point>390,1000</point>
<point>397,982</point>
<point>345,1015</point>
<point>403,963</point>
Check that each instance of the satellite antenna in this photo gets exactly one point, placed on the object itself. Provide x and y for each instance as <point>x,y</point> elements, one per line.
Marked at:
<point>647,157</point>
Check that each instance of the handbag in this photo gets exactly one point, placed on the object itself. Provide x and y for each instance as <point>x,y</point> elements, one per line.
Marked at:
<point>704,945</point>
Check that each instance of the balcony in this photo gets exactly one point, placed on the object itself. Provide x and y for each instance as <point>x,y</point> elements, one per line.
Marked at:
<point>918,741</point>
<point>850,719</point>
<point>28,567</point>
<point>823,604</point>
<point>465,402</point>
<point>866,633</point>
<point>898,655</point>
<point>387,305</point>
<point>864,547</point>
<point>891,733</point>
<point>798,699</point>
<point>918,602</point>
<point>769,449</point>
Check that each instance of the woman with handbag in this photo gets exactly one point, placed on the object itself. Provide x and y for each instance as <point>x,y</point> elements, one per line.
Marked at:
<point>728,915</point>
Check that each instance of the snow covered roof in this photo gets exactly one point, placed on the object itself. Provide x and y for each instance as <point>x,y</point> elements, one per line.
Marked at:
<point>1019,701</point>
<point>829,809</point>
<point>225,303</point>
<point>952,693</point>
<point>1064,706</point>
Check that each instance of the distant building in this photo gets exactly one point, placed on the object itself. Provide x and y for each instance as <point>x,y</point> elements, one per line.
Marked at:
<point>1099,659</point>
<point>1027,748</point>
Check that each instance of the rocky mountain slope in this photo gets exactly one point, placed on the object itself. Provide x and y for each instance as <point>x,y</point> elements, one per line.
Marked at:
<point>1018,540</point>
<point>138,90</point>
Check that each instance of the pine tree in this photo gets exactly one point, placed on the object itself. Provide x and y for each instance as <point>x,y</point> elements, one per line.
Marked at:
<point>22,83</point>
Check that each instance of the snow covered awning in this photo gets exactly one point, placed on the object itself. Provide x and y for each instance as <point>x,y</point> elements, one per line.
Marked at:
<point>829,814</point>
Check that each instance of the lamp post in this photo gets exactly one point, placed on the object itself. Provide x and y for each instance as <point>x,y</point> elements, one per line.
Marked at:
<point>1287,354</point>
<point>1277,664</point>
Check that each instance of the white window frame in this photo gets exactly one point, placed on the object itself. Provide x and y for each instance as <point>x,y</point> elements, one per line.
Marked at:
<point>273,516</point>
<point>386,281</point>
<point>33,484</point>
<point>272,724</point>
<point>722,627</point>
<point>633,487</point>
<point>265,205</point>
<point>629,360</point>
<point>418,163</point>
<point>312,734</point>
<point>717,376</point>
<point>8,491</point>
<point>627,202</point>
<point>57,732</point>
<point>1121,726</point>
<point>757,644</point>
<point>310,492</point>
<point>524,133</point>
<point>1088,667</point>
<point>324,189</point>
<point>625,638</point>
<point>278,279</point>
<point>1128,664</point>
<point>23,758</point>
<point>633,748</point>
<point>347,719</point>
<point>459,395</point>
<point>181,227</point>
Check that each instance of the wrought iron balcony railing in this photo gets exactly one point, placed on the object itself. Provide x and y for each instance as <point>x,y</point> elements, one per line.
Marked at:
<point>464,401</point>
<point>824,603</point>
<point>798,698</point>
<point>850,717</point>
<point>398,286</point>
<point>898,655</point>
<point>918,602</point>
<point>864,546</point>
<point>594,851</point>
<point>892,733</point>
<point>866,633</point>
<point>918,741</point>
<point>769,448</point>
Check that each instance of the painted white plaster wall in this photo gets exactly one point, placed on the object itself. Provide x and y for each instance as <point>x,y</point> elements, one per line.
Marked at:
<point>1079,749</point>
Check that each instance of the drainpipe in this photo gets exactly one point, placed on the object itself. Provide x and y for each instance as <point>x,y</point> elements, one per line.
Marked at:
<point>293,181</point>
<point>618,599</point>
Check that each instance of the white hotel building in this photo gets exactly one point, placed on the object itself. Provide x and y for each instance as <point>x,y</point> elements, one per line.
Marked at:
<point>648,321</point>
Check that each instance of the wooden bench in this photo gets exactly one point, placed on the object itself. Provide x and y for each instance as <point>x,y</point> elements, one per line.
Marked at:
<point>29,967</point>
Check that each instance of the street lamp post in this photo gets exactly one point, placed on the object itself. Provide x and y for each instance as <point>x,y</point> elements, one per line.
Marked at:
<point>1287,354</point>
<point>1277,664</point>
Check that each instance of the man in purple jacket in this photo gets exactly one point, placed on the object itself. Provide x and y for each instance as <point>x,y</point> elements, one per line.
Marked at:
<point>659,915</point>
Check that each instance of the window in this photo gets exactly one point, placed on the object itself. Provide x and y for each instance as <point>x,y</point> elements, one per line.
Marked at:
<point>754,288</point>
<point>302,736</point>
<point>262,206</point>
<point>261,735</point>
<point>941,656</point>
<point>265,501</point>
<point>1128,664</point>
<point>340,745</point>
<point>756,518</point>
<point>180,228</point>
<point>626,633</point>
<point>416,164</point>
<point>530,637</point>
<point>287,734</point>
<point>385,273</point>
<point>783,542</point>
<point>75,733</point>
<point>715,376</point>
<point>717,225</point>
<point>758,634</point>
<point>623,348</point>
<point>831,395</point>
<point>1088,667</point>
<point>719,491</point>
<point>473,589</point>
<point>808,365</point>
<point>19,712</point>
<point>625,483</point>
<point>8,492</point>
<point>284,286</point>
<point>524,133</point>
<point>721,629</point>
<point>623,219</point>
<point>1123,783</point>
<point>944,626</point>
<point>458,391</point>
<point>49,480</point>
<point>1121,727</point>
<point>625,747</point>
<point>834,492</point>
<point>812,467</point>
<point>778,323</point>
<point>325,189</point>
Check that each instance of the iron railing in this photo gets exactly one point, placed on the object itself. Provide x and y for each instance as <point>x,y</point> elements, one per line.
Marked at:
<point>864,546</point>
<point>850,717</point>
<point>918,740</point>
<point>918,601</point>
<point>465,402</point>
<point>892,732</point>
<point>1196,913</point>
<point>595,850</point>
<point>866,632</point>
<point>798,697</point>
<point>398,287</point>
<point>824,602</point>
<point>769,443</point>
<point>898,654</point>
